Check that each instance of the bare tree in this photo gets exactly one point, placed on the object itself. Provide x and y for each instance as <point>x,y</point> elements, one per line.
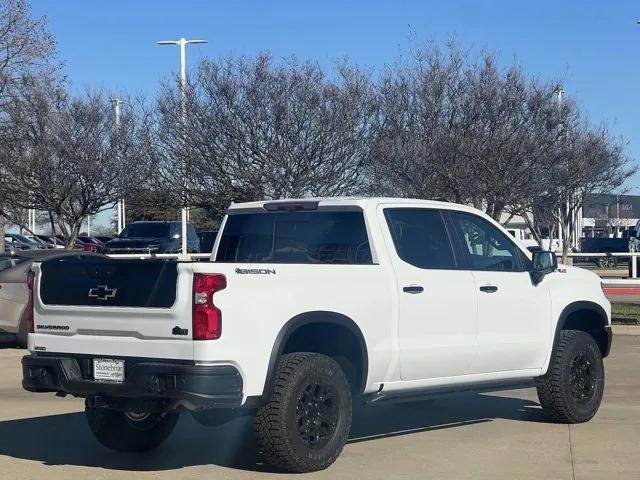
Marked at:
<point>68,158</point>
<point>27,51</point>
<point>460,128</point>
<point>416,146</point>
<point>256,129</point>
<point>589,161</point>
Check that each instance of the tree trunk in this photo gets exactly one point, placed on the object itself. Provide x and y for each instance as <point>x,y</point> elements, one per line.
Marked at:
<point>534,230</point>
<point>2,233</point>
<point>566,239</point>
<point>53,230</point>
<point>70,233</point>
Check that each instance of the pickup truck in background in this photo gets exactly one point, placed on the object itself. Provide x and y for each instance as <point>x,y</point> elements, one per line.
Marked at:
<point>607,245</point>
<point>152,237</point>
<point>306,305</point>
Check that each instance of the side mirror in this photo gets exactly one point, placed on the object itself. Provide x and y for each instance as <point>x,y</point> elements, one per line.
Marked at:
<point>543,262</point>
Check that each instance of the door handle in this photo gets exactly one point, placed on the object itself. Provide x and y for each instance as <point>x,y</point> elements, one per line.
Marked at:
<point>489,288</point>
<point>413,289</point>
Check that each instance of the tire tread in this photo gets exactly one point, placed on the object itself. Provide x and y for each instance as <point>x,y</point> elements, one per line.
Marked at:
<point>269,418</point>
<point>550,386</point>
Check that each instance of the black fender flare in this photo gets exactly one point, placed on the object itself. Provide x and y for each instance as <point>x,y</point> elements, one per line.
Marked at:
<point>583,305</point>
<point>308,318</point>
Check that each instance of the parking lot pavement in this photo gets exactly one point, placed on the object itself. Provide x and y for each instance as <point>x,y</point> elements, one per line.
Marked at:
<point>497,436</point>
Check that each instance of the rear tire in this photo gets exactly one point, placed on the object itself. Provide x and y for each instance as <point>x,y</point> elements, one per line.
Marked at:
<point>306,422</point>
<point>130,431</point>
<point>572,389</point>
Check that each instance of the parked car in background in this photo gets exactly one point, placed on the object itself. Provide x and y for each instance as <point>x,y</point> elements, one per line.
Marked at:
<point>20,242</point>
<point>91,244</point>
<point>14,291</point>
<point>51,240</point>
<point>153,237</point>
<point>526,239</point>
<point>522,238</point>
<point>207,239</point>
<point>79,245</point>
<point>606,245</point>
<point>8,246</point>
<point>39,241</point>
<point>103,239</point>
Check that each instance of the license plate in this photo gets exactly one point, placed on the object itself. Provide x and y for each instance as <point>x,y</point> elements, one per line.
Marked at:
<point>108,370</point>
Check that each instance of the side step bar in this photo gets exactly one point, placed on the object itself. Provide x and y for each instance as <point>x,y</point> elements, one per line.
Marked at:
<point>383,398</point>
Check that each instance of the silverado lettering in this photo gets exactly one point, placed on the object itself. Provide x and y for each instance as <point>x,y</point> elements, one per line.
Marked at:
<point>52,327</point>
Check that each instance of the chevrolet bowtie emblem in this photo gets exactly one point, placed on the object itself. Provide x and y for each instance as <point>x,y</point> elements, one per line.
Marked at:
<point>102,292</point>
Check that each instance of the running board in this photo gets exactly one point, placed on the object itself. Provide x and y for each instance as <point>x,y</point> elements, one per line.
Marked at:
<point>382,398</point>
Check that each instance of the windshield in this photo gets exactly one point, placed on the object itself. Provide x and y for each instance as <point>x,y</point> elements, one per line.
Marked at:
<point>153,230</point>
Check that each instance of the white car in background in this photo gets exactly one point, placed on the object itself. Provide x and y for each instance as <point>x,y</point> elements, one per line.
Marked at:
<point>526,240</point>
<point>14,292</point>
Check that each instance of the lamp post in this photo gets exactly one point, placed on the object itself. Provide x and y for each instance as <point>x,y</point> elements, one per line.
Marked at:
<point>117,103</point>
<point>182,43</point>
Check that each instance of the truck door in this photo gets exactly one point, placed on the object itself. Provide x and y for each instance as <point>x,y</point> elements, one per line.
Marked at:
<point>437,300</point>
<point>514,315</point>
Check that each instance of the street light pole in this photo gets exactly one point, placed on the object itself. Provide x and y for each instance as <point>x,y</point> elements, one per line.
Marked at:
<point>32,220</point>
<point>116,102</point>
<point>182,43</point>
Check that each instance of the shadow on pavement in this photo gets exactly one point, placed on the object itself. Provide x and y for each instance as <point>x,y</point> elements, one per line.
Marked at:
<point>8,342</point>
<point>66,439</point>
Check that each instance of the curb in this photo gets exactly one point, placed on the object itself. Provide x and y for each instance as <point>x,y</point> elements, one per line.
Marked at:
<point>625,329</point>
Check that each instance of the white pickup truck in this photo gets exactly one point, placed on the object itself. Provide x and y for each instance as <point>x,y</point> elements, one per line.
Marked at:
<point>306,305</point>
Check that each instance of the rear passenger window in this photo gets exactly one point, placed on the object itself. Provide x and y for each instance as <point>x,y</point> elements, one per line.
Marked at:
<point>295,237</point>
<point>420,237</point>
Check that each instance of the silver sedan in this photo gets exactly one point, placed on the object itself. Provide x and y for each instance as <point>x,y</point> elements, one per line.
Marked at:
<point>14,293</point>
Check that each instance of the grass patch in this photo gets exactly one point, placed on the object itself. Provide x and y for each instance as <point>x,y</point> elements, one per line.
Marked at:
<point>625,313</point>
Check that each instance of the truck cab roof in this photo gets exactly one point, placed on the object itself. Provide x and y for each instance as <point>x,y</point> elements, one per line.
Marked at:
<point>311,203</point>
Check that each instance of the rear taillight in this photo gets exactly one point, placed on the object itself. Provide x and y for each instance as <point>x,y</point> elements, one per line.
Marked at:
<point>31,285</point>
<point>207,319</point>
<point>87,247</point>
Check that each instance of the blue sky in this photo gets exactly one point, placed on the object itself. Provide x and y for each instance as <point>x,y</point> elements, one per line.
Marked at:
<point>592,46</point>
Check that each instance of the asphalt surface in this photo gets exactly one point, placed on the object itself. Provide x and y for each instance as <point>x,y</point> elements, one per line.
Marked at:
<point>496,436</point>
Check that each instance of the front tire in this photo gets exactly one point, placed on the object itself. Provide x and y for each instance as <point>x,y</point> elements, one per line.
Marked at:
<point>130,431</point>
<point>572,389</point>
<point>306,422</point>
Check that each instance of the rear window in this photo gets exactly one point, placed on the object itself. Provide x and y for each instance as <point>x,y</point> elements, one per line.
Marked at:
<point>420,237</point>
<point>295,237</point>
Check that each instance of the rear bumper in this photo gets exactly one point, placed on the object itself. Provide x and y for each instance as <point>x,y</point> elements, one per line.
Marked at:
<point>191,386</point>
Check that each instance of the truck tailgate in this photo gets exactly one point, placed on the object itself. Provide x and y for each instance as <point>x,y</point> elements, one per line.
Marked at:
<point>93,304</point>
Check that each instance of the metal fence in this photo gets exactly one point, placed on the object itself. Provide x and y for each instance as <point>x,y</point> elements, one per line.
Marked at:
<point>632,256</point>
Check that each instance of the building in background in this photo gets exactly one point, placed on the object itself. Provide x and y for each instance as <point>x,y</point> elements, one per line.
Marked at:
<point>609,216</point>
